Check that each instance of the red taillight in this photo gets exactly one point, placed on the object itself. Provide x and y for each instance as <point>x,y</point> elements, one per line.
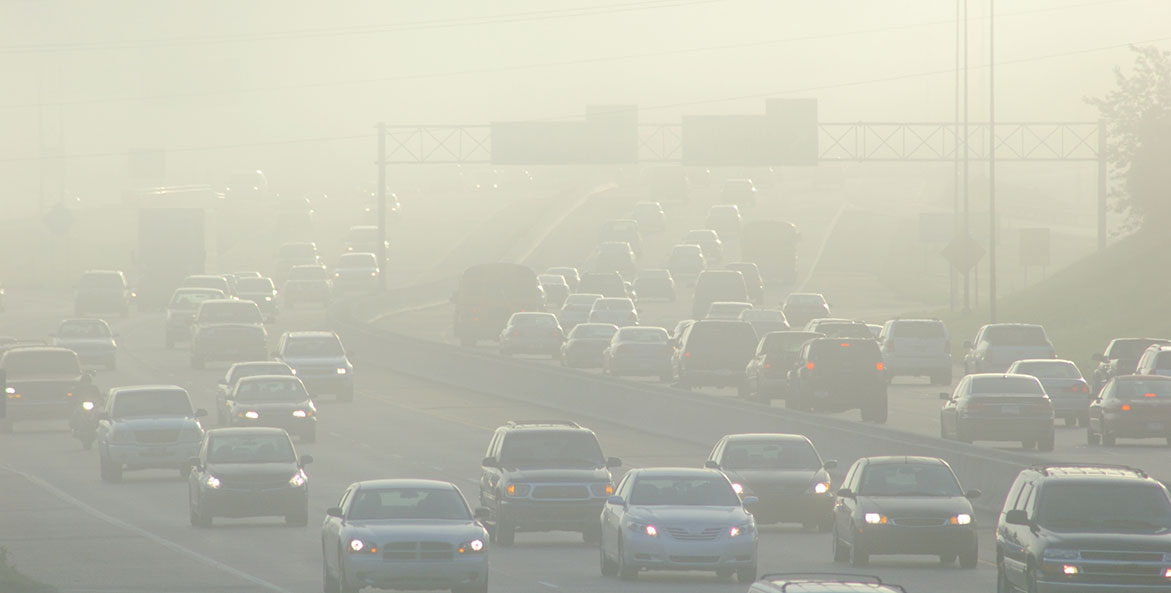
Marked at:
<point>809,365</point>
<point>556,334</point>
<point>768,365</point>
<point>1150,395</point>
<point>878,366</point>
<point>845,344</point>
<point>516,334</point>
<point>1125,407</point>
<point>1080,388</point>
<point>686,355</point>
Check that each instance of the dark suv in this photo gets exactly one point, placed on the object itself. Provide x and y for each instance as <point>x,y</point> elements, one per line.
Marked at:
<point>714,352</point>
<point>1072,527</point>
<point>1120,358</point>
<point>839,374</point>
<point>545,475</point>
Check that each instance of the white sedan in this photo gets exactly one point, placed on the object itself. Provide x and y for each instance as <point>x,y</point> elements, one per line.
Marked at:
<point>678,519</point>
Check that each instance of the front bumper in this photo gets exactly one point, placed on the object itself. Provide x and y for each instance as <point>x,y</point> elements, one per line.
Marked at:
<point>663,552</point>
<point>898,539</point>
<point>155,456</point>
<point>239,502</point>
<point>371,570</point>
<point>528,515</point>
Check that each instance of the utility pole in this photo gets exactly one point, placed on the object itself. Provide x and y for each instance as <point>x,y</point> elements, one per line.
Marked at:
<point>967,211</point>
<point>955,170</point>
<point>381,247</point>
<point>1103,180</point>
<point>992,161</point>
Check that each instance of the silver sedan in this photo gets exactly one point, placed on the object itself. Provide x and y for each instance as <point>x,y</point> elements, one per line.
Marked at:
<point>678,519</point>
<point>404,534</point>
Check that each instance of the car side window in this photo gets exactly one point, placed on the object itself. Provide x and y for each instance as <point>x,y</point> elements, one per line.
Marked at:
<point>1024,498</point>
<point>855,476</point>
<point>1013,494</point>
<point>717,451</point>
<point>1107,392</point>
<point>624,487</point>
<point>345,499</point>
<point>494,446</point>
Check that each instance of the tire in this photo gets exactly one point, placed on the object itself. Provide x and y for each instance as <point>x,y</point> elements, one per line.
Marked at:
<point>724,573</point>
<point>1092,438</point>
<point>198,519</point>
<point>343,585</point>
<point>1107,438</point>
<point>110,471</point>
<point>742,390</point>
<point>947,559</point>
<point>826,523</point>
<point>858,554</point>
<point>626,573</point>
<point>970,558</point>
<point>1031,580</point>
<point>840,553</point>
<point>608,567</point>
<point>877,411</point>
<point>505,533</point>
<point>1046,442</point>
<point>1002,584</point>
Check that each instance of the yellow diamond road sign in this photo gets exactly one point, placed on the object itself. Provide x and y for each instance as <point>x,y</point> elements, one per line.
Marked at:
<point>963,252</point>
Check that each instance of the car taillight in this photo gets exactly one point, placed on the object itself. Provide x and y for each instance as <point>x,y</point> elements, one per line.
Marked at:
<point>1083,388</point>
<point>809,365</point>
<point>768,365</point>
<point>878,366</point>
<point>516,334</point>
<point>1125,407</point>
<point>686,355</point>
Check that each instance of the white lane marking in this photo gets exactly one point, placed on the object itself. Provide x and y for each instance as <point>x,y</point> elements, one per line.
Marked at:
<point>824,243</point>
<point>166,543</point>
<point>549,585</point>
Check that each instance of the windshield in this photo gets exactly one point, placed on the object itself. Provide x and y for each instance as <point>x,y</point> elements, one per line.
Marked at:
<point>703,491</point>
<point>254,285</point>
<point>650,335</point>
<point>250,448</point>
<point>190,299</point>
<point>770,455</point>
<point>101,282</point>
<point>298,251</point>
<point>551,449</point>
<point>326,346</point>
<point>308,273</point>
<point>847,352</point>
<point>686,251</point>
<point>921,330</point>
<point>1048,369</point>
<point>41,362</point>
<point>614,248</point>
<point>83,329</point>
<point>1129,349</point>
<point>1005,385</point>
<point>271,390</point>
<point>593,332</point>
<point>409,503</point>
<point>908,479</point>
<point>844,329</point>
<point>1016,335</point>
<point>229,312</point>
<point>653,275</point>
<point>206,282</point>
<point>240,371</point>
<point>1108,506</point>
<point>762,315</point>
<point>805,300</point>
<point>732,309</point>
<point>1138,389</point>
<point>552,279</point>
<point>151,403</point>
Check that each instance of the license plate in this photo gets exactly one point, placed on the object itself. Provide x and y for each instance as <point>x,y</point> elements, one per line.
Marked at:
<point>1154,426</point>
<point>1011,410</point>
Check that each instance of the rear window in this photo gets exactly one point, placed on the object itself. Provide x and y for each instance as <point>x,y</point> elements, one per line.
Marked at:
<point>357,260</point>
<point>1006,385</point>
<point>613,305</point>
<point>1142,389</point>
<point>206,282</point>
<point>326,346</point>
<point>701,235</point>
<point>229,312</point>
<point>582,299</point>
<point>784,342</point>
<point>1016,335</point>
<point>1128,349</point>
<point>534,320</point>
<point>844,329</point>
<point>805,300</point>
<point>715,337</point>
<point>1163,360</point>
<point>846,352</point>
<point>921,330</point>
<point>41,362</point>
<point>762,315</point>
<point>685,250</point>
<point>190,299</point>
<point>614,248</point>
<point>1049,369</point>
<point>653,275</point>
<point>100,281</point>
<point>591,332</point>
<point>83,329</point>
<point>308,273</point>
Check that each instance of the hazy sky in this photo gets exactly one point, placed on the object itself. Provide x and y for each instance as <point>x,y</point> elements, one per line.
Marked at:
<point>116,74</point>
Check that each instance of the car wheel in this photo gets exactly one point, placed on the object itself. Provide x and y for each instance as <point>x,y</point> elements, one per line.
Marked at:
<point>1031,580</point>
<point>608,567</point>
<point>841,554</point>
<point>198,519</point>
<point>970,557</point>
<point>1071,420</point>
<point>1092,438</point>
<point>625,571</point>
<point>505,533</point>
<point>826,523</point>
<point>1046,442</point>
<point>1002,584</point>
<point>724,573</point>
<point>858,554</point>
<point>344,586</point>
<point>1107,438</point>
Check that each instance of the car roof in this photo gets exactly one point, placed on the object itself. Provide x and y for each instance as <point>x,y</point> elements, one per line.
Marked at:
<point>233,302</point>
<point>905,459</point>
<point>1060,361</point>
<point>417,483</point>
<point>1141,378</point>
<point>253,378</point>
<point>767,436</point>
<point>102,272</point>
<point>676,472</point>
<point>310,333</point>
<point>975,376</point>
<point>246,431</point>
<point>256,363</point>
<point>90,320</point>
<point>149,387</point>
<point>37,348</point>
<point>1089,471</point>
<point>1013,325</point>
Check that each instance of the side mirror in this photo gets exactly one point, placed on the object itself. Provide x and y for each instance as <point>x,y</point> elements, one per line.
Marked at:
<point>334,512</point>
<point>481,513</point>
<point>613,462</point>
<point>845,493</point>
<point>489,462</point>
<point>968,344</point>
<point>749,500</point>
<point>200,413</point>
<point>830,463</point>
<point>194,463</point>
<point>1016,517</point>
<point>944,396</point>
<point>712,464</point>
<point>616,500</point>
<point>973,494</point>
<point>306,459</point>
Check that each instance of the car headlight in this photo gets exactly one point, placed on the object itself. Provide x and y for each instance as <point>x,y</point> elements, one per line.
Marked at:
<point>874,518</point>
<point>268,298</point>
<point>342,370</point>
<point>602,489</point>
<point>298,479</point>
<point>960,519</point>
<point>742,529</point>
<point>1060,554</point>
<point>476,545</point>
<point>212,482</point>
<point>820,487</point>
<point>250,414</point>
<point>643,528</point>
<point>518,489</point>
<point>301,413</point>
<point>737,488</point>
<point>358,546</point>
<point>87,406</point>
<point>10,390</point>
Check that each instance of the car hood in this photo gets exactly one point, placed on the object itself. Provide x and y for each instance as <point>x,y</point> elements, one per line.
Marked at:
<point>384,532</point>
<point>599,474</point>
<point>689,515</point>
<point>918,506</point>
<point>766,481</point>
<point>155,422</point>
<point>253,470</point>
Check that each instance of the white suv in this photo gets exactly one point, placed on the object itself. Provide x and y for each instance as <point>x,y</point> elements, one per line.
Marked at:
<point>916,348</point>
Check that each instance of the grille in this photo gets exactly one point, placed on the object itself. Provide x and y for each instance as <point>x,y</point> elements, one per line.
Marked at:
<point>696,559</point>
<point>417,551</point>
<point>919,521</point>
<point>708,533</point>
<point>1134,570</point>
<point>157,436</point>
<point>1122,556</point>
<point>562,492</point>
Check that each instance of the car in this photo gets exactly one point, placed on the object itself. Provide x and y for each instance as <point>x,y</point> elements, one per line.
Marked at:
<point>875,330</point>
<point>102,291</point>
<point>91,339</point>
<point>708,241</point>
<point>717,285</point>
<point>713,352</point>
<point>247,274</point>
<point>584,345</point>
<point>355,272</point>
<point>616,311</point>
<point>821,582</point>
<point>904,505</point>
<point>839,328</point>
<point>686,260</point>
<point>488,294</point>
<point>802,307</point>
<point>404,534</point>
<point>555,289</point>
<point>1084,527</point>
<point>916,348</point>
<point>147,427</point>
<point>544,475</point>
<point>279,401</point>
<point>226,385</point>
<point>260,291</point>
<point>767,374</point>
<point>655,284</point>
<point>998,345</point>
<point>319,361</point>
<point>532,333</point>
<point>217,282</point>
<point>680,329</point>
<point>181,311</point>
<point>1156,360</point>
<point>3,300</point>
<point>1063,383</point>
<point>571,275</point>
<point>678,519</point>
<point>307,284</point>
<point>838,374</point>
<point>723,219</point>
<point>614,256</point>
<point>998,407</point>
<point>764,321</point>
<point>220,311</point>
<point>741,192</point>
<point>248,472</point>
<point>1120,358</point>
<point>364,239</point>
<point>650,216</point>
<point>607,284</point>
<point>727,310</point>
<point>290,255</point>
<point>625,231</point>
<point>42,382</point>
<point>227,330</point>
<point>753,283</point>
<point>1131,406</point>
<point>784,472</point>
<point>639,351</point>
<point>576,309</point>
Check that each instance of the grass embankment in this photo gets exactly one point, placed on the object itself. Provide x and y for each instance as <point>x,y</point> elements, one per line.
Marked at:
<point>12,581</point>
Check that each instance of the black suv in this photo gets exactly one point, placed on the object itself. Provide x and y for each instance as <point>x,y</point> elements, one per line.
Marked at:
<point>1070,527</point>
<point>545,475</point>
<point>839,374</point>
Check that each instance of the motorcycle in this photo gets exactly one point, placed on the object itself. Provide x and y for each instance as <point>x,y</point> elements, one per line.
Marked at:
<point>83,423</point>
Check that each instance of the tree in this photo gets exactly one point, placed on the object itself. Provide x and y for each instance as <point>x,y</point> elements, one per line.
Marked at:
<point>1138,126</point>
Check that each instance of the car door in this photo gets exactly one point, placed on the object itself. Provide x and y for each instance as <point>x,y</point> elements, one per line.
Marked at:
<point>972,356</point>
<point>105,422</point>
<point>949,415</point>
<point>612,514</point>
<point>331,532</point>
<point>1015,549</point>
<point>844,505</point>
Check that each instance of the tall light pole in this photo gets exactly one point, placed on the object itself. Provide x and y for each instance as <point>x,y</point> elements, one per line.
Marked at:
<point>992,160</point>
<point>955,170</point>
<point>967,212</point>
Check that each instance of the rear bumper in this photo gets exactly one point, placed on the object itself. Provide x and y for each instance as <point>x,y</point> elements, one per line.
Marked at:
<point>640,366</point>
<point>915,366</point>
<point>1145,426</point>
<point>711,378</point>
